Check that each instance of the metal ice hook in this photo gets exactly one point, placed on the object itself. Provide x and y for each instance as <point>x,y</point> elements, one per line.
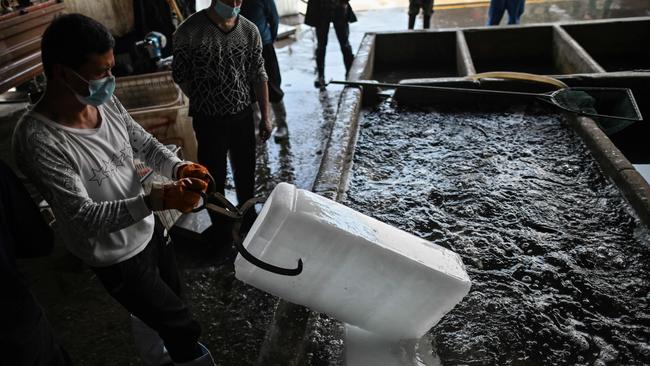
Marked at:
<point>237,215</point>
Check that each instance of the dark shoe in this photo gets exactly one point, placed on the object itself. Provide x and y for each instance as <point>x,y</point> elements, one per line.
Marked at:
<point>281,134</point>
<point>320,82</point>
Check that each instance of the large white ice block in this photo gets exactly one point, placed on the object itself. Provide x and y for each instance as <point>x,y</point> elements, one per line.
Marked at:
<point>356,269</point>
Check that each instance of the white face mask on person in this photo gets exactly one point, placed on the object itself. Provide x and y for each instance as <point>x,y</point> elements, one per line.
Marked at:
<point>100,90</point>
<point>226,11</point>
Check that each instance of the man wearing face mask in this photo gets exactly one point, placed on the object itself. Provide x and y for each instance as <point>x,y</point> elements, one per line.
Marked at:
<point>77,146</point>
<point>218,63</point>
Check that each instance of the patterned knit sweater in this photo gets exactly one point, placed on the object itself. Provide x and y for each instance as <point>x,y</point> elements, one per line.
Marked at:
<point>218,69</point>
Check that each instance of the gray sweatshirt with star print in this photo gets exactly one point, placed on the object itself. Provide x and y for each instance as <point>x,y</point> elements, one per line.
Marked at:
<point>89,179</point>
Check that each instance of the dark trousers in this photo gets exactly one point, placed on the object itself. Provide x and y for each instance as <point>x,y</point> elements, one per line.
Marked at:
<point>342,29</point>
<point>273,72</point>
<point>515,9</point>
<point>416,5</point>
<point>217,138</point>
<point>149,287</point>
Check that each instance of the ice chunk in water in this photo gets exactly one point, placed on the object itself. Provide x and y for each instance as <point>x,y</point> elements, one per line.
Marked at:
<point>356,269</point>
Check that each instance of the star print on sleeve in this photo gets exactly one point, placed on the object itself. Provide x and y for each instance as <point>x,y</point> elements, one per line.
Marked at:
<point>144,146</point>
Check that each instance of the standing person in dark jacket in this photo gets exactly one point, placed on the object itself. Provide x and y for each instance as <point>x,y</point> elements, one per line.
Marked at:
<point>265,16</point>
<point>414,10</point>
<point>26,337</point>
<point>320,13</point>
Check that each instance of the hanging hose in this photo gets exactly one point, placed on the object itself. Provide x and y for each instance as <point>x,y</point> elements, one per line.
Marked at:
<point>523,76</point>
<point>172,4</point>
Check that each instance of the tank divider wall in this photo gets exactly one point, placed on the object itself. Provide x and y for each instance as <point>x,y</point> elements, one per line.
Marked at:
<point>569,56</point>
<point>464,61</point>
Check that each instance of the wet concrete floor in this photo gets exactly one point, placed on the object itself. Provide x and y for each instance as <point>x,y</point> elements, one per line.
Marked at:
<point>95,329</point>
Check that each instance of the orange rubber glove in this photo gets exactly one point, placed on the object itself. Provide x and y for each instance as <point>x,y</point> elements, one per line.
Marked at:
<point>182,195</point>
<point>193,170</point>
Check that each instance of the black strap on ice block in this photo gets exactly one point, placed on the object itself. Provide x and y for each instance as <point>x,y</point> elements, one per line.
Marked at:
<point>216,202</point>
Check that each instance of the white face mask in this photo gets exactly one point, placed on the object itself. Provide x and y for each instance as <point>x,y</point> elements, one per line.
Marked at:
<point>100,90</point>
<point>226,11</point>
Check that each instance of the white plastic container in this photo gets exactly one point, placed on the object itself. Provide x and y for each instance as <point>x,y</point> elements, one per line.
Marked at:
<point>356,269</point>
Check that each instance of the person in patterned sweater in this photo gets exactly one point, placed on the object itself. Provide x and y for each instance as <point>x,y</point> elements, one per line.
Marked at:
<point>218,64</point>
<point>77,146</point>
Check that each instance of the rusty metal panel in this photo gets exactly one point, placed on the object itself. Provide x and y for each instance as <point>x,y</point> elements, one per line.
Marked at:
<point>20,42</point>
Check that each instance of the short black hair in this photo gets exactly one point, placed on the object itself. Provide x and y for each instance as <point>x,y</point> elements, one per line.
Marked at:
<point>71,38</point>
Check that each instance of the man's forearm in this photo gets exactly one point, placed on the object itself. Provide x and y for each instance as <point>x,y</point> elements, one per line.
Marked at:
<point>262,94</point>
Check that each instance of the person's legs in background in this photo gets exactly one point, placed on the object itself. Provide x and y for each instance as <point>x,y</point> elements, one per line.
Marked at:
<point>322,30</point>
<point>495,12</point>
<point>414,10</point>
<point>275,92</point>
<point>515,10</point>
<point>427,11</point>
<point>242,147</point>
<point>521,5</point>
<point>342,28</point>
<point>212,152</point>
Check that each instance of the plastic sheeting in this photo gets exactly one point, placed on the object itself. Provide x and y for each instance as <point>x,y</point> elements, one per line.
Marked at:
<point>116,15</point>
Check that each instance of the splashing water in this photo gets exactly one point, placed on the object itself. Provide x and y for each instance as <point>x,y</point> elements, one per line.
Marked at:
<point>559,263</point>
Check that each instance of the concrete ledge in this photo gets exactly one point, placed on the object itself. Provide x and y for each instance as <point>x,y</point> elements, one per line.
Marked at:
<point>331,180</point>
<point>286,339</point>
<point>609,156</point>
<point>527,25</point>
<point>332,177</point>
<point>635,189</point>
<point>364,61</point>
<point>570,57</point>
<point>464,61</point>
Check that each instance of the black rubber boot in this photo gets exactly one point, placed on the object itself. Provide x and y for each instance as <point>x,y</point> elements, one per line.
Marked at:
<point>320,82</point>
<point>348,59</point>
<point>411,21</point>
<point>426,21</point>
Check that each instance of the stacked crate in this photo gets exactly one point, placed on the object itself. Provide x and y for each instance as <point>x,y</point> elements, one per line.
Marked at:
<point>158,105</point>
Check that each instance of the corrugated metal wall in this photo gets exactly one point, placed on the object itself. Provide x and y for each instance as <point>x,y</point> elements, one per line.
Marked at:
<point>117,15</point>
